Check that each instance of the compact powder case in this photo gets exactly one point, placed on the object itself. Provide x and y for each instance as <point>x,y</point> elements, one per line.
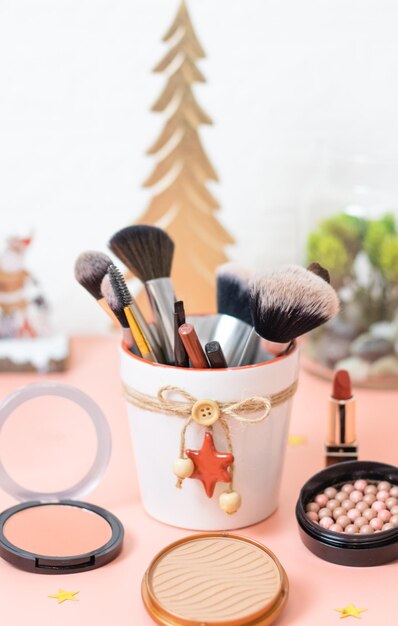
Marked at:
<point>215,579</point>
<point>342,548</point>
<point>55,533</point>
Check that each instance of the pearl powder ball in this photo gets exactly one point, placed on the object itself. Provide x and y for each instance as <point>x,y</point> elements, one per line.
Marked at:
<point>369,498</point>
<point>369,514</point>
<point>324,513</point>
<point>390,502</point>
<point>394,510</point>
<point>326,522</point>
<point>340,496</point>
<point>361,506</point>
<point>347,505</point>
<point>351,529</point>
<point>312,515</point>
<point>394,520</point>
<point>348,488</point>
<point>333,504</point>
<point>361,521</point>
<point>394,492</point>
<point>360,485</point>
<point>366,530</point>
<point>384,515</point>
<point>371,489</point>
<point>312,506</point>
<point>321,499</point>
<point>376,523</point>
<point>388,526</point>
<point>338,511</point>
<point>356,496</point>
<point>353,514</point>
<point>330,492</point>
<point>382,495</point>
<point>384,486</point>
<point>378,505</point>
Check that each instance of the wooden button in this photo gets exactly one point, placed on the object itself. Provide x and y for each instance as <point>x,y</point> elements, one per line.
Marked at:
<point>205,412</point>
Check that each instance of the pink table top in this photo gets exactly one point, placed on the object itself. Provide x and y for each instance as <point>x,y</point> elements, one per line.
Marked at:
<point>111,595</point>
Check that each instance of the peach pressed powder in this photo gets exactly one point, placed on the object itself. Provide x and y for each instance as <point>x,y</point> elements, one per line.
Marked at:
<point>57,530</point>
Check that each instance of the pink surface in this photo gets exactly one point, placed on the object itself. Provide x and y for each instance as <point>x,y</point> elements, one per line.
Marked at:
<point>112,594</point>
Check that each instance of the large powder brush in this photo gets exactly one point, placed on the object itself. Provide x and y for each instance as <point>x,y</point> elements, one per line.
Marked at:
<point>233,291</point>
<point>148,253</point>
<point>290,301</point>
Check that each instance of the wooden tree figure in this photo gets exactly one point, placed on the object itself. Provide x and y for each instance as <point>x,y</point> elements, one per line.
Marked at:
<point>182,204</point>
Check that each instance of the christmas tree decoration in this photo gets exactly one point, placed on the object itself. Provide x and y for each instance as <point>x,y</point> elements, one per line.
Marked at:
<point>182,203</point>
<point>63,595</point>
<point>26,343</point>
<point>350,611</point>
<point>211,466</point>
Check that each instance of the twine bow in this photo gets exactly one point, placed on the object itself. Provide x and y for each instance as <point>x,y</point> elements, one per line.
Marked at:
<point>240,411</point>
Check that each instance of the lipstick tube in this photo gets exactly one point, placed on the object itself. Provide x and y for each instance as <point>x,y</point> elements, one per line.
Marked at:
<point>341,442</point>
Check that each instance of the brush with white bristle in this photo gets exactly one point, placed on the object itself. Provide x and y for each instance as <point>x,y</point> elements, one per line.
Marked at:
<point>145,339</point>
<point>117,308</point>
<point>90,269</point>
<point>148,253</point>
<point>290,301</point>
<point>233,291</point>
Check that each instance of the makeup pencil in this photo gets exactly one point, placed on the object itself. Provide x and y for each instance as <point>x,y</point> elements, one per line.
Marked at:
<point>215,355</point>
<point>193,346</point>
<point>180,354</point>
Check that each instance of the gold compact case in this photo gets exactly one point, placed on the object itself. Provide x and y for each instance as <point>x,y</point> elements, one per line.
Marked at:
<point>215,579</point>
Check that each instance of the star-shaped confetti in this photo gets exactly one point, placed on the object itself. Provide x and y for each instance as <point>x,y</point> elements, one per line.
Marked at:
<point>297,440</point>
<point>350,611</point>
<point>63,595</point>
<point>210,465</point>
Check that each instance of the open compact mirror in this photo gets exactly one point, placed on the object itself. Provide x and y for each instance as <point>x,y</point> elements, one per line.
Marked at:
<point>52,531</point>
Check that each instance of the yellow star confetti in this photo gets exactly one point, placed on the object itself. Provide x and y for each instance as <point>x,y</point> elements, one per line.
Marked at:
<point>297,440</point>
<point>63,595</point>
<point>350,611</point>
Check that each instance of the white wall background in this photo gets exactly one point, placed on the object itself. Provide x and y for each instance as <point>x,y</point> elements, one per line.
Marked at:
<point>284,77</point>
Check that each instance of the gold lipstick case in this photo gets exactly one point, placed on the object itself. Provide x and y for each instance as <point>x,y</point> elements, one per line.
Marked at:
<point>341,444</point>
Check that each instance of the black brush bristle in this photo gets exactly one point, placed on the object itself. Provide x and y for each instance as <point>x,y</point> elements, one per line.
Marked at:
<point>146,250</point>
<point>290,302</point>
<point>233,292</point>
<point>90,269</point>
<point>119,285</point>
<point>113,301</point>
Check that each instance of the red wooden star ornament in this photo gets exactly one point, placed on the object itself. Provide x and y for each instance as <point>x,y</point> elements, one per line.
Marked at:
<point>210,465</point>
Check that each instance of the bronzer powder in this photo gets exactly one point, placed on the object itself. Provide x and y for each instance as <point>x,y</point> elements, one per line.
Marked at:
<point>215,579</point>
<point>57,530</point>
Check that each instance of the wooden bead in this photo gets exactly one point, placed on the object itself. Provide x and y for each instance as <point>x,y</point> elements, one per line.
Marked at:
<point>230,501</point>
<point>183,468</point>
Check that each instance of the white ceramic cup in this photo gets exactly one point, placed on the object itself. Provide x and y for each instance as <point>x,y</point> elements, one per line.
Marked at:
<point>259,449</point>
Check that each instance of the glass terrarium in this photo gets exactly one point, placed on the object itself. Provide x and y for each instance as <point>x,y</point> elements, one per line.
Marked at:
<point>355,236</point>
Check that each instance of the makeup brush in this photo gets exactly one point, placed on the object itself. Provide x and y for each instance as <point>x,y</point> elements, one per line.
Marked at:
<point>233,291</point>
<point>90,269</point>
<point>148,252</point>
<point>144,338</point>
<point>290,301</point>
<point>116,306</point>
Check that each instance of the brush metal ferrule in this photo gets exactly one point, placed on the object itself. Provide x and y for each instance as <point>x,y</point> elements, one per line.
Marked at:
<point>341,422</point>
<point>162,298</point>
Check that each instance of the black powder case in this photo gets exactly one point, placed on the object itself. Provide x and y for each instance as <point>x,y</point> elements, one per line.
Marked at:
<point>341,548</point>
